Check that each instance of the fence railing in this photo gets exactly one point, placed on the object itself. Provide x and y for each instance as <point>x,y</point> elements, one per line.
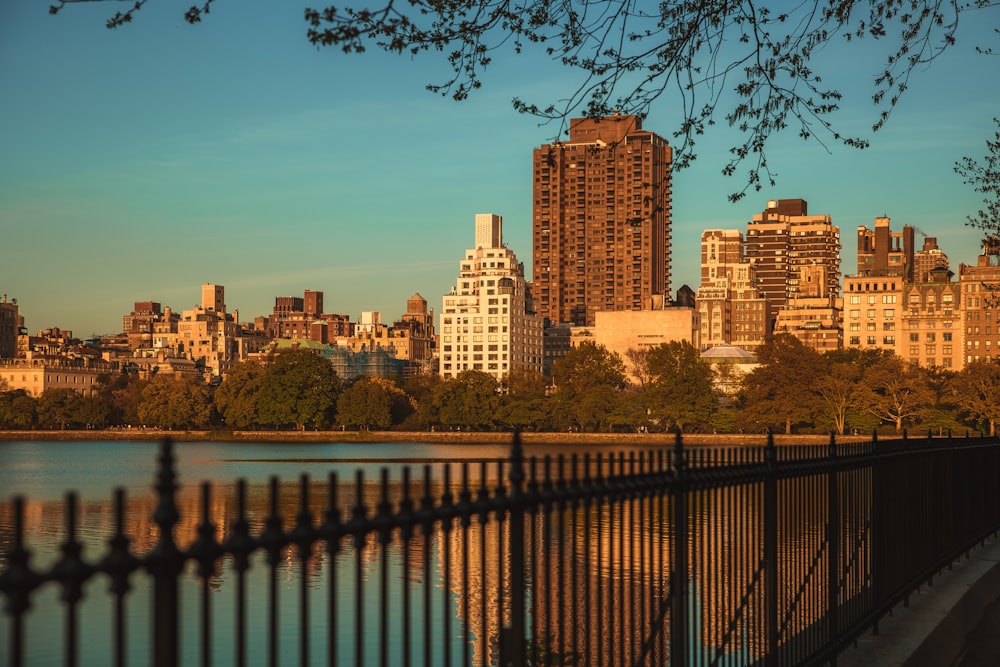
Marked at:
<point>686,556</point>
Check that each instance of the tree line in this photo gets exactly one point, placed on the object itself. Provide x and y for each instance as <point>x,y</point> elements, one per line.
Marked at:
<point>663,388</point>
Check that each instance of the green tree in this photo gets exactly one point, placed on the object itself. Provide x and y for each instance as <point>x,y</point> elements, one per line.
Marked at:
<point>173,402</point>
<point>588,381</point>
<point>365,404</point>
<point>95,412</point>
<point>60,408</point>
<point>524,404</point>
<point>752,64</point>
<point>976,390</point>
<point>895,391</point>
<point>300,389</point>
<point>420,389</point>
<point>469,400</point>
<point>236,399</point>
<point>17,410</point>
<point>780,390</point>
<point>680,391</point>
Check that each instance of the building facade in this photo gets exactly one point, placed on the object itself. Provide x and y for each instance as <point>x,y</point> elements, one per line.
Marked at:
<point>488,322</point>
<point>731,308</point>
<point>601,220</point>
<point>622,331</point>
<point>795,254</point>
<point>10,327</point>
<point>980,294</point>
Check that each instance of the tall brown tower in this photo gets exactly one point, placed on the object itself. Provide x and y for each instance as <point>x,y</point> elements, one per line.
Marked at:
<point>601,220</point>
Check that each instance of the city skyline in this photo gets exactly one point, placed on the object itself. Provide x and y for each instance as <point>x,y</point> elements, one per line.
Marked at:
<point>142,162</point>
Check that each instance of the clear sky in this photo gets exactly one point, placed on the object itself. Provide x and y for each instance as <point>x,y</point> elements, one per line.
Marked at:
<point>139,163</point>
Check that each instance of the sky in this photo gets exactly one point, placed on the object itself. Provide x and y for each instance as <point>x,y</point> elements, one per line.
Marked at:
<point>138,164</point>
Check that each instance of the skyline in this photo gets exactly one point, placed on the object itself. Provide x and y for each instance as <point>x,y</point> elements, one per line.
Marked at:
<point>143,162</point>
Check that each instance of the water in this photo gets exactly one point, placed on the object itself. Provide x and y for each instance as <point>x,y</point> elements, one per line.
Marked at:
<point>597,580</point>
<point>42,472</point>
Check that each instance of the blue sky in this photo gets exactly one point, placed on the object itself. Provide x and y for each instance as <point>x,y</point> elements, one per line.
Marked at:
<point>139,163</point>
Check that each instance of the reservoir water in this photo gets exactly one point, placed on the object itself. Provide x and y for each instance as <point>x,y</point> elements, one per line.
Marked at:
<point>42,472</point>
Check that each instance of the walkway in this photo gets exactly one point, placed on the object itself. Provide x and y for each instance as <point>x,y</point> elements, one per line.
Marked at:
<point>954,623</point>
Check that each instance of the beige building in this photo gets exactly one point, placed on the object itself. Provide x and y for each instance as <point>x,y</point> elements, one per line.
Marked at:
<point>621,331</point>
<point>207,333</point>
<point>980,294</point>
<point>873,311</point>
<point>933,324</point>
<point>411,340</point>
<point>903,301</point>
<point>816,321</point>
<point>731,309</point>
<point>814,316</point>
<point>36,373</point>
<point>488,321</point>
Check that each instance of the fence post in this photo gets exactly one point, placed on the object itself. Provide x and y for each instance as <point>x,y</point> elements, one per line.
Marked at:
<point>165,563</point>
<point>679,603</point>
<point>513,642</point>
<point>833,541</point>
<point>771,550</point>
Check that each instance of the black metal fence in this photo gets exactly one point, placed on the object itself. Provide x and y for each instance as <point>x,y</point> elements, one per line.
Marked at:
<point>685,556</point>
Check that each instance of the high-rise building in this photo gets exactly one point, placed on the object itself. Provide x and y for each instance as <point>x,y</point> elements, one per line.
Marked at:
<point>601,220</point>
<point>488,322</point>
<point>795,254</point>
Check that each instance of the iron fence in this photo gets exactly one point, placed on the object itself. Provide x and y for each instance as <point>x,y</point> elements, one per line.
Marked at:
<point>686,556</point>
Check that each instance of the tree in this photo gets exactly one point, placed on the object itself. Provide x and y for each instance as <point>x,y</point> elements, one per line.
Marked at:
<point>469,400</point>
<point>680,390</point>
<point>895,391</point>
<point>638,366</point>
<point>236,399</point>
<point>976,390</point>
<point>780,390</point>
<point>756,67</point>
<point>300,389</point>
<point>588,381</point>
<point>173,401</point>
<point>985,178</point>
<point>17,410</point>
<point>364,404</point>
<point>421,389</point>
<point>59,408</point>
<point>836,390</point>
<point>524,403</point>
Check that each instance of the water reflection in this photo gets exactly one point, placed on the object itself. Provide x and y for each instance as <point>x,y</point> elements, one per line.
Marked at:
<point>598,580</point>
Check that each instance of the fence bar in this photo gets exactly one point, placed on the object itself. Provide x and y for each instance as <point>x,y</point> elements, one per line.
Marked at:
<point>165,564</point>
<point>679,621</point>
<point>513,640</point>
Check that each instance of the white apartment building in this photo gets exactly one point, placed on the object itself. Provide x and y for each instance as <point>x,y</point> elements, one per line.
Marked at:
<point>488,321</point>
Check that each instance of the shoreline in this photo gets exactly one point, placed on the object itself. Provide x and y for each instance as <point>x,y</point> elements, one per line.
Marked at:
<point>440,437</point>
